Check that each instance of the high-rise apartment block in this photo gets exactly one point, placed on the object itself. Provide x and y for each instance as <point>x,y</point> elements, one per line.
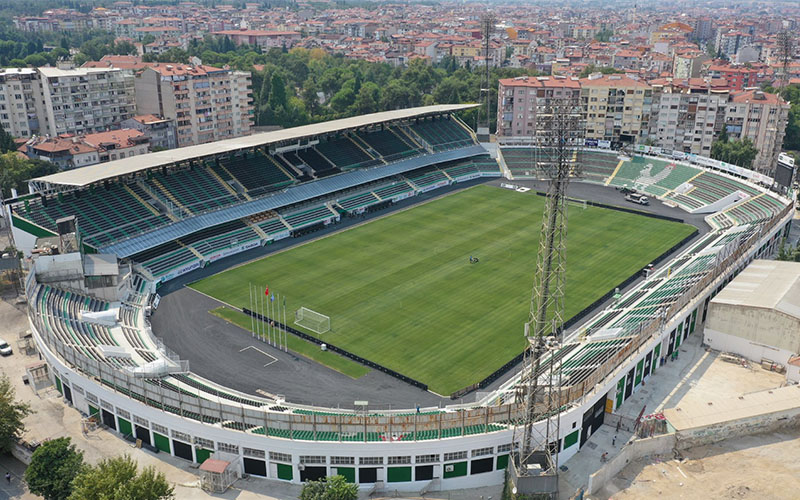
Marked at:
<point>208,104</point>
<point>617,107</point>
<point>760,117</point>
<point>522,100</point>
<point>687,114</point>
<point>684,115</point>
<point>84,100</point>
<point>18,101</point>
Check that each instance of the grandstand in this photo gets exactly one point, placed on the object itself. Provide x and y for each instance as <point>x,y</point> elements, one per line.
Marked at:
<point>168,213</point>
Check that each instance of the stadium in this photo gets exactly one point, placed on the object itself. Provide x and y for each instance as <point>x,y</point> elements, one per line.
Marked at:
<point>348,297</point>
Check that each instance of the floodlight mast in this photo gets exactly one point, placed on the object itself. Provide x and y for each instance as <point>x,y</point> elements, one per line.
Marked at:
<point>488,22</point>
<point>557,145</point>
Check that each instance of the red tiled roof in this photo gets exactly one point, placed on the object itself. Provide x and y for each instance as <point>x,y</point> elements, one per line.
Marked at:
<point>540,82</point>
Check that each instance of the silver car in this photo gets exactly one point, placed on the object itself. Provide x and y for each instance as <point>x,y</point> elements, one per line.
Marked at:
<point>5,349</point>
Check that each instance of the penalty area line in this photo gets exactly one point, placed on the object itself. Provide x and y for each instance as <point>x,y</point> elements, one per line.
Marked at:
<point>274,359</point>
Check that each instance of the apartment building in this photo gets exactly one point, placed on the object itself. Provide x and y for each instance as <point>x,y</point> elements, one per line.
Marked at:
<point>208,104</point>
<point>617,107</point>
<point>729,43</point>
<point>521,101</point>
<point>90,149</point>
<point>688,63</point>
<point>760,117</point>
<point>118,144</point>
<point>739,77</point>
<point>84,100</point>
<point>160,131</point>
<point>19,94</point>
<point>265,40</point>
<point>687,114</point>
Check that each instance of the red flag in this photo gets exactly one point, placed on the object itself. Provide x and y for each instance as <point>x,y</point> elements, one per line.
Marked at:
<point>266,292</point>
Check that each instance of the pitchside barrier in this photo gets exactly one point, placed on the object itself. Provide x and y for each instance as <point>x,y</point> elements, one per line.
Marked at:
<point>620,209</point>
<point>578,317</point>
<point>339,350</point>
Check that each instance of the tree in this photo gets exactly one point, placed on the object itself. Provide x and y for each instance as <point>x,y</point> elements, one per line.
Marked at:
<point>12,413</point>
<point>15,170</point>
<point>741,153</point>
<point>329,488</point>
<point>6,141</point>
<point>277,92</point>
<point>605,70</point>
<point>53,466</point>
<point>367,99</point>
<point>604,35</point>
<point>343,99</point>
<point>117,479</point>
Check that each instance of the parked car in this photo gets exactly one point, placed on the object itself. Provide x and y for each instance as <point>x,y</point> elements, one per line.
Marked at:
<point>5,349</point>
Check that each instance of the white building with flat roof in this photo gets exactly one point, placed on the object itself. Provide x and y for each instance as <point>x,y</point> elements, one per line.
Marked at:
<point>757,314</point>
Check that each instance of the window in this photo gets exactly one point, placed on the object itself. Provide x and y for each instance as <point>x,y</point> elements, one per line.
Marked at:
<point>280,457</point>
<point>228,448</point>
<point>504,448</point>
<point>160,429</point>
<point>427,459</point>
<point>108,406</point>
<point>370,461</point>
<point>182,436</point>
<point>251,452</point>
<point>343,460</point>
<point>204,443</point>
<point>399,460</point>
<point>77,389</point>
<point>312,459</point>
<point>455,455</point>
<point>483,451</point>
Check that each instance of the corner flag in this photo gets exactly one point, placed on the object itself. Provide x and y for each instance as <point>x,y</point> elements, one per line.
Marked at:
<point>266,291</point>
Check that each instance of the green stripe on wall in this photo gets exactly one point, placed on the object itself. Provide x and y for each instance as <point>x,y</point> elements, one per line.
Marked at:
<point>30,227</point>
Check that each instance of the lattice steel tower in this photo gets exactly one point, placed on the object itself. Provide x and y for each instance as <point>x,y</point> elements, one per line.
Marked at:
<point>558,143</point>
<point>488,22</point>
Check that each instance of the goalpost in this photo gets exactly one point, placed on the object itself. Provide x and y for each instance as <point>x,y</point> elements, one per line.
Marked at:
<point>312,320</point>
<point>577,203</point>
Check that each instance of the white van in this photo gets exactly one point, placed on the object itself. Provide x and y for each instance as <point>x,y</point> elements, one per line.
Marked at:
<point>637,198</point>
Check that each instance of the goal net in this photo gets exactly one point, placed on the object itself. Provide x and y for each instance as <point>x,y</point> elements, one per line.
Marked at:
<point>575,202</point>
<point>312,320</point>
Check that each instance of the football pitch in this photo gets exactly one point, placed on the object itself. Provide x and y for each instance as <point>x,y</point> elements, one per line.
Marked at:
<point>401,291</point>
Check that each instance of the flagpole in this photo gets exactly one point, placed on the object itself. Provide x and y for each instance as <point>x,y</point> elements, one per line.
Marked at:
<point>258,321</point>
<point>266,314</point>
<point>285,333</point>
<point>265,333</point>
<point>278,309</point>
<point>277,322</point>
<point>271,320</point>
<point>252,319</point>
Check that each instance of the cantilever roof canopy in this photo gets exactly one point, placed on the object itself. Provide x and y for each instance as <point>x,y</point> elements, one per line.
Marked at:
<point>85,176</point>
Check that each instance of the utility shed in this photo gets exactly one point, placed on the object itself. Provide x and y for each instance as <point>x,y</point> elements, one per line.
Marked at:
<point>757,315</point>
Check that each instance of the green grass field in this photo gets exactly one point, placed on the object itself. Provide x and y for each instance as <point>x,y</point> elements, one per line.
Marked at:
<point>400,290</point>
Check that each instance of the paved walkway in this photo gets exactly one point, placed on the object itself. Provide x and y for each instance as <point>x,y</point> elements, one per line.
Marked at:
<point>694,378</point>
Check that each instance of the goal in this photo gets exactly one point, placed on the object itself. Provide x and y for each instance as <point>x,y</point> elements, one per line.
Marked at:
<point>575,202</point>
<point>312,320</point>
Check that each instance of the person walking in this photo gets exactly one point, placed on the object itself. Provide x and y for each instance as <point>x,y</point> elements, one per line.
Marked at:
<point>614,441</point>
<point>8,477</point>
